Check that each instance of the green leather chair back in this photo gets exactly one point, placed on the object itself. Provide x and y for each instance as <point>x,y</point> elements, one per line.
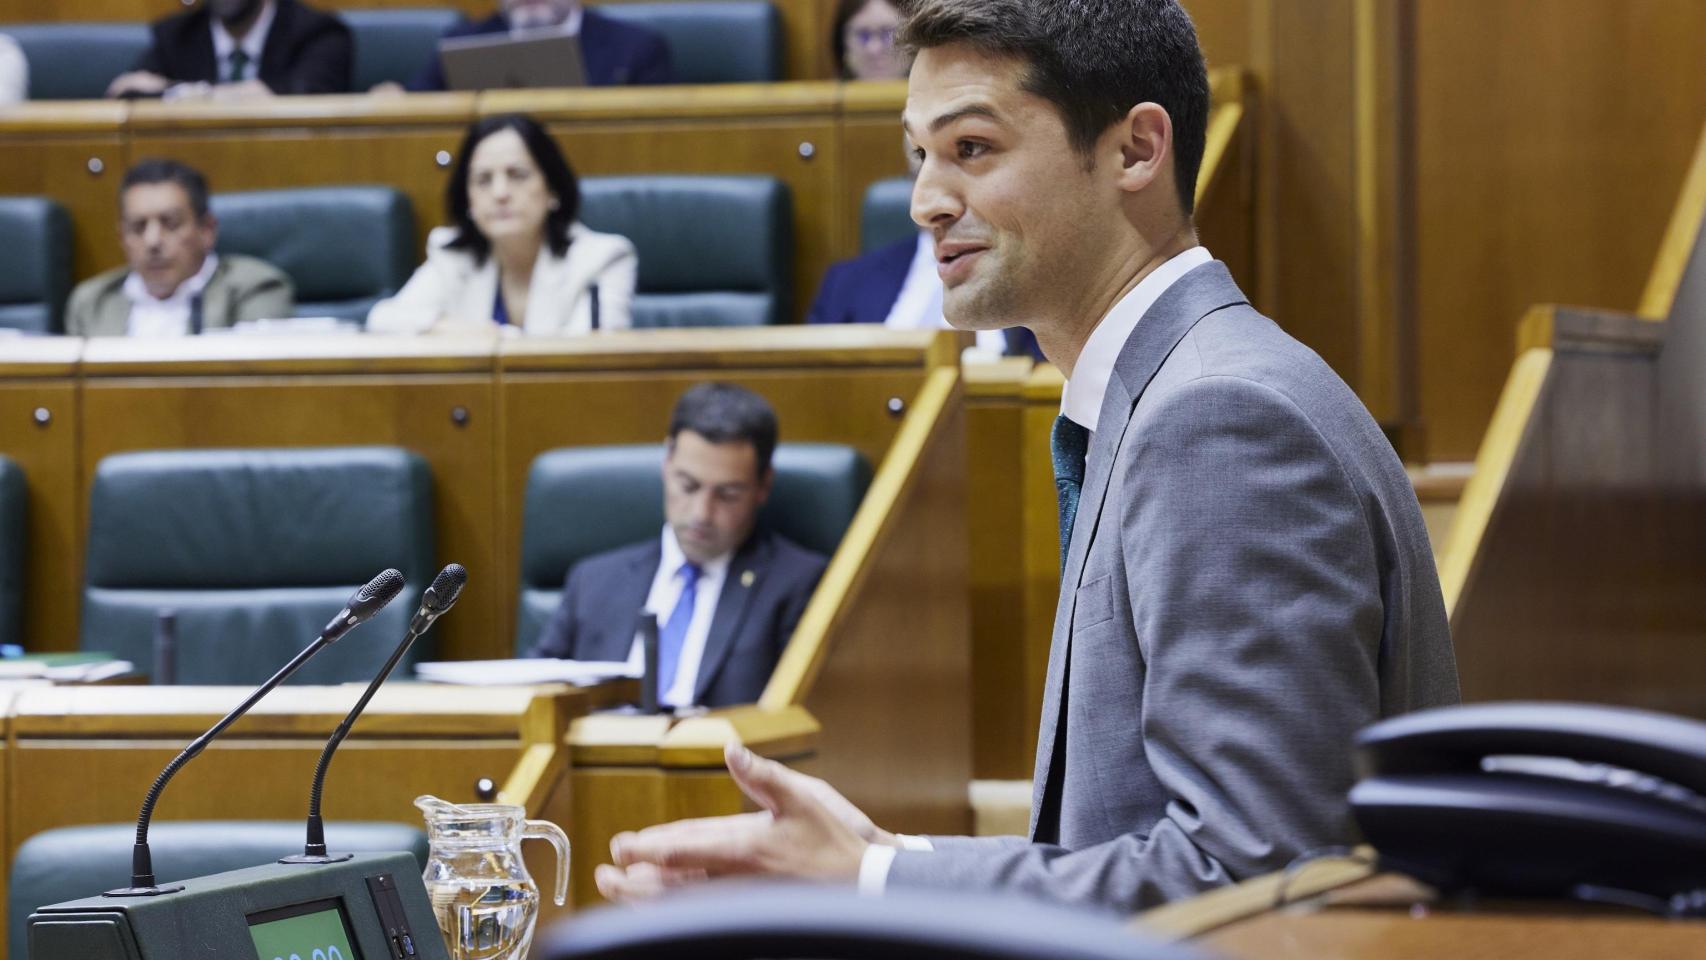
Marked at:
<point>35,274</point>
<point>714,250</point>
<point>11,549</point>
<point>395,43</point>
<point>75,862</point>
<point>886,215</point>
<point>346,248</point>
<point>585,500</point>
<point>76,61</point>
<point>713,42</point>
<point>255,550</point>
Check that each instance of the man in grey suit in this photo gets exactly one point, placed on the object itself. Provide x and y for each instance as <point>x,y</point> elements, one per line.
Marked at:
<point>173,283</point>
<point>727,593</point>
<point>1246,580</point>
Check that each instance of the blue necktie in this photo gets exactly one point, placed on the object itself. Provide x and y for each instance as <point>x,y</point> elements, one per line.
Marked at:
<point>1069,443</point>
<point>672,636</point>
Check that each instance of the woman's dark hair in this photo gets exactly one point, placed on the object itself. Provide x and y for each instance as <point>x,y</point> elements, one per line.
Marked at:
<point>559,179</point>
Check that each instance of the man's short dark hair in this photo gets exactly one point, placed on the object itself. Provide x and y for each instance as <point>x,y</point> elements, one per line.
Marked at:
<point>725,413</point>
<point>157,170</point>
<point>1093,59</point>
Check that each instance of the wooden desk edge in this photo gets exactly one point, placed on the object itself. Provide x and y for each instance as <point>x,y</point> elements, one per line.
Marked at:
<point>1187,919</point>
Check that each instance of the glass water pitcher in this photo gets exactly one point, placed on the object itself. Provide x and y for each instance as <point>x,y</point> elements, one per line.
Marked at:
<point>485,901</point>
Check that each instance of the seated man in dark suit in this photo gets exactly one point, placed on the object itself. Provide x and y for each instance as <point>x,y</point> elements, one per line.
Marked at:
<point>613,52</point>
<point>726,594</point>
<point>242,48</point>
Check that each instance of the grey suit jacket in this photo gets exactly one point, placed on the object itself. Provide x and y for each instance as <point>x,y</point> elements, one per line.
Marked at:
<point>769,582</point>
<point>241,288</point>
<point>1248,584</point>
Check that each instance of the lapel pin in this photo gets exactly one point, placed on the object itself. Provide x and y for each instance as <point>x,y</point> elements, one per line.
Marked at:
<point>747,578</point>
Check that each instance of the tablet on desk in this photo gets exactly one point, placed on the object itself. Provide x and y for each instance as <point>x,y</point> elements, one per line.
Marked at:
<point>501,60</point>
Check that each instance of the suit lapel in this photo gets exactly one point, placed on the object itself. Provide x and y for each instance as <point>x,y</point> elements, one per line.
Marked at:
<point>1195,295</point>
<point>746,568</point>
<point>635,589</point>
<point>275,53</point>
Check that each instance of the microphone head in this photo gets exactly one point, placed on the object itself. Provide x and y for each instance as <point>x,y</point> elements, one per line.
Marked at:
<point>375,594</point>
<point>446,587</point>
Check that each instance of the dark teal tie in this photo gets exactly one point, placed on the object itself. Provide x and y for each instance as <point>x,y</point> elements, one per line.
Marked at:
<point>1069,443</point>
<point>239,66</point>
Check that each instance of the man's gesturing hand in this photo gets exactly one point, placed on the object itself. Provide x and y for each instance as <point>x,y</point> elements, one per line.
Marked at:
<point>807,831</point>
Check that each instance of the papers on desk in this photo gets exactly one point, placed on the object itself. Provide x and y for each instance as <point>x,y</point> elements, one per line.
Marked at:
<point>80,672</point>
<point>581,673</point>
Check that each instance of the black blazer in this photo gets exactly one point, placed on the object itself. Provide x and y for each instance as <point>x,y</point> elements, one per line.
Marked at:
<point>614,53</point>
<point>306,51</point>
<point>770,579</point>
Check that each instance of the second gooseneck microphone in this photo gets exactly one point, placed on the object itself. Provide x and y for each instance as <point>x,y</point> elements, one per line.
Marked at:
<point>438,598</point>
<point>362,605</point>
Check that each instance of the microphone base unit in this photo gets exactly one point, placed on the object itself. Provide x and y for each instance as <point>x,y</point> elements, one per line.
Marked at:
<point>317,858</point>
<point>153,891</point>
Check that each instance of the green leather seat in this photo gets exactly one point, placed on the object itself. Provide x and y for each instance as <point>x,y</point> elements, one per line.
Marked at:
<point>35,274</point>
<point>714,250</point>
<point>886,215</point>
<point>11,549</point>
<point>713,42</point>
<point>76,61</point>
<point>255,550</point>
<point>395,43</point>
<point>75,862</point>
<point>585,500</point>
<point>345,248</point>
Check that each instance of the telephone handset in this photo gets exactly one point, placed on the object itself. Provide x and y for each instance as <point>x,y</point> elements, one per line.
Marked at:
<point>1541,799</point>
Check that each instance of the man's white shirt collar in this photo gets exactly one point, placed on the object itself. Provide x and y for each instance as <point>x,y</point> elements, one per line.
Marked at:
<point>254,42</point>
<point>673,558</point>
<point>170,316</point>
<point>571,26</point>
<point>1081,397</point>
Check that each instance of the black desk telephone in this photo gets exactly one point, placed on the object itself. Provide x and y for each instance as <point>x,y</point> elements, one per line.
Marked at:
<point>1541,799</point>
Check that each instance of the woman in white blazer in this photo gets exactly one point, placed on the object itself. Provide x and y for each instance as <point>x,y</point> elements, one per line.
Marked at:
<point>515,257</point>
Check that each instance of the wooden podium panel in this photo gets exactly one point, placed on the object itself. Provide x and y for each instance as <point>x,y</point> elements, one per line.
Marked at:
<point>76,154</point>
<point>38,430</point>
<point>207,392</point>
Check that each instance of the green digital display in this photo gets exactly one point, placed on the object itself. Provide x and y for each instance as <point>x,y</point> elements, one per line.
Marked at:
<point>305,931</point>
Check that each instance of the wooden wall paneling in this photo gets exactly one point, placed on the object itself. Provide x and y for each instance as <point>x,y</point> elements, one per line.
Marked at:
<point>608,801</point>
<point>1224,28</point>
<point>38,430</point>
<point>411,411</point>
<point>1002,716</point>
<point>872,149</point>
<point>897,742</point>
<point>1548,151</point>
<point>1226,186</point>
<point>76,154</point>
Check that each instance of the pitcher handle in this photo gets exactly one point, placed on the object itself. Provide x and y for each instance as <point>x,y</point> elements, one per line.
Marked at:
<point>546,830</point>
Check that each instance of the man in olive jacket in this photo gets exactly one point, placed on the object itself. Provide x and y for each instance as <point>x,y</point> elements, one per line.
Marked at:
<point>174,284</point>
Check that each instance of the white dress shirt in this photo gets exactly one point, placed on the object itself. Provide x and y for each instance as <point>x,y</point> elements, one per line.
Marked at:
<point>571,26</point>
<point>14,71</point>
<point>253,43</point>
<point>1081,401</point>
<point>665,592</point>
<point>919,306</point>
<point>169,317</point>
<point>1081,398</point>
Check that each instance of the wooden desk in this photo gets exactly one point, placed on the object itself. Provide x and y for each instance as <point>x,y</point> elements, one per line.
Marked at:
<point>39,414</point>
<point>1341,911</point>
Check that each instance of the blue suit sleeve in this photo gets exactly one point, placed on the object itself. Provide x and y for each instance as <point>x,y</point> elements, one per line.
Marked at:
<point>654,65</point>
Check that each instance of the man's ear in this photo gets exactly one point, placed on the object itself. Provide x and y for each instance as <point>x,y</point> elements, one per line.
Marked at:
<point>765,483</point>
<point>210,226</point>
<point>1146,146</point>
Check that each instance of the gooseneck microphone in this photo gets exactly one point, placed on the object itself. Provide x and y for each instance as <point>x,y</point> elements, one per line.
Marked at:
<point>438,598</point>
<point>362,605</point>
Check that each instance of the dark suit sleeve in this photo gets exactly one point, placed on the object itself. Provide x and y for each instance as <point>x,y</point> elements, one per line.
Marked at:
<point>794,605</point>
<point>558,638</point>
<point>321,62</point>
<point>828,296</point>
<point>1253,587</point>
<point>151,59</point>
<point>653,65</point>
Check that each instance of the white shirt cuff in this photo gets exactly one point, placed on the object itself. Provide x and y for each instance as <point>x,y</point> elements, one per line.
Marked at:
<point>878,858</point>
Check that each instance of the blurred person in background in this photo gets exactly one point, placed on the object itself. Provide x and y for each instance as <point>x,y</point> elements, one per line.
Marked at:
<point>614,53</point>
<point>514,256</point>
<point>242,48</point>
<point>14,72</point>
<point>863,41</point>
<point>173,283</point>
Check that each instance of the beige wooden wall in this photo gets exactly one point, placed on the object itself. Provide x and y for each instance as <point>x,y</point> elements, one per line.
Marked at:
<point>1430,169</point>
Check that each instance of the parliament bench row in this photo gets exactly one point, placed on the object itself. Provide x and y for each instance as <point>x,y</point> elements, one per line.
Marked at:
<point>253,549</point>
<point>713,250</point>
<point>726,41</point>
